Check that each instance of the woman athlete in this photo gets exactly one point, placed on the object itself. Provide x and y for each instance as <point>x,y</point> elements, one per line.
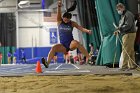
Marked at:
<point>65,28</point>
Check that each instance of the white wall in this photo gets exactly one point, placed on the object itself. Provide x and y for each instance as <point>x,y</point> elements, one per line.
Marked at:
<point>29,30</point>
<point>28,37</point>
<point>8,3</point>
<point>30,19</point>
<point>8,6</point>
<point>45,34</point>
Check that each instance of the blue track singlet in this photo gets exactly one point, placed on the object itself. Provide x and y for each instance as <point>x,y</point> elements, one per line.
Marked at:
<point>65,34</point>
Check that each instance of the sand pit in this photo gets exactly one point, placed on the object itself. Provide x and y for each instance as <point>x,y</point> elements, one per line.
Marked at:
<point>70,84</point>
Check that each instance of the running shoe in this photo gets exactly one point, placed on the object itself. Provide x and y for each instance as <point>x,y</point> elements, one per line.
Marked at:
<point>44,62</point>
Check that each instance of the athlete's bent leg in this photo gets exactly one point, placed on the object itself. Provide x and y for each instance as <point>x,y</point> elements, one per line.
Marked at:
<point>54,49</point>
<point>75,44</point>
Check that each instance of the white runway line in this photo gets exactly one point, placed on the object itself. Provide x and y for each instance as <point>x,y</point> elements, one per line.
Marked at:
<point>66,71</point>
<point>75,66</point>
<point>15,69</point>
<point>54,72</point>
<point>84,71</point>
<point>8,64</point>
<point>58,66</point>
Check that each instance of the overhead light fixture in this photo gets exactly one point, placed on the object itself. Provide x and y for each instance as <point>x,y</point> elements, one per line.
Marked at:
<point>24,4</point>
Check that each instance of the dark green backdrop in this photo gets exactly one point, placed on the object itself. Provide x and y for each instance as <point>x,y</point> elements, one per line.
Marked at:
<point>99,15</point>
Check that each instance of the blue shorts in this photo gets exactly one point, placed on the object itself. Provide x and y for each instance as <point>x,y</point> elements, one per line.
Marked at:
<point>66,45</point>
<point>55,54</point>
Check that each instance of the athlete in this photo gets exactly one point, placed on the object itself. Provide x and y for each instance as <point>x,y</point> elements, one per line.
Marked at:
<point>65,28</point>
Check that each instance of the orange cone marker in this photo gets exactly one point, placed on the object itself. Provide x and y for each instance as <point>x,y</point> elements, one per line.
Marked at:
<point>38,67</point>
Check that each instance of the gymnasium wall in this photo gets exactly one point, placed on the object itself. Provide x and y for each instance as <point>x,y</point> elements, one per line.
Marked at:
<point>32,33</point>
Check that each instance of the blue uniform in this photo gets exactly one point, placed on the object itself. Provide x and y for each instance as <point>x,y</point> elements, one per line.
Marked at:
<point>9,54</point>
<point>22,54</point>
<point>15,54</point>
<point>65,34</point>
<point>23,58</point>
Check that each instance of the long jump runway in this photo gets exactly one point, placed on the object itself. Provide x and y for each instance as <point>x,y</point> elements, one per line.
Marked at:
<point>30,69</point>
<point>57,69</point>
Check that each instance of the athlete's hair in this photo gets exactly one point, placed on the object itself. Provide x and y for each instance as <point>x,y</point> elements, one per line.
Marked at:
<point>72,8</point>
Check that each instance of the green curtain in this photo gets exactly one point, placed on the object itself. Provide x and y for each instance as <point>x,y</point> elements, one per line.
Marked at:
<point>7,34</point>
<point>4,51</point>
<point>88,18</point>
<point>107,14</point>
<point>99,15</point>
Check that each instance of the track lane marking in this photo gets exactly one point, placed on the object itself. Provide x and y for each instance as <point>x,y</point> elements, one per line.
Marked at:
<point>58,66</point>
<point>75,66</point>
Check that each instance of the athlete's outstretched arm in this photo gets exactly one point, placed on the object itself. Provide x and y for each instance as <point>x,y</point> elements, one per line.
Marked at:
<point>59,19</point>
<point>74,24</point>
